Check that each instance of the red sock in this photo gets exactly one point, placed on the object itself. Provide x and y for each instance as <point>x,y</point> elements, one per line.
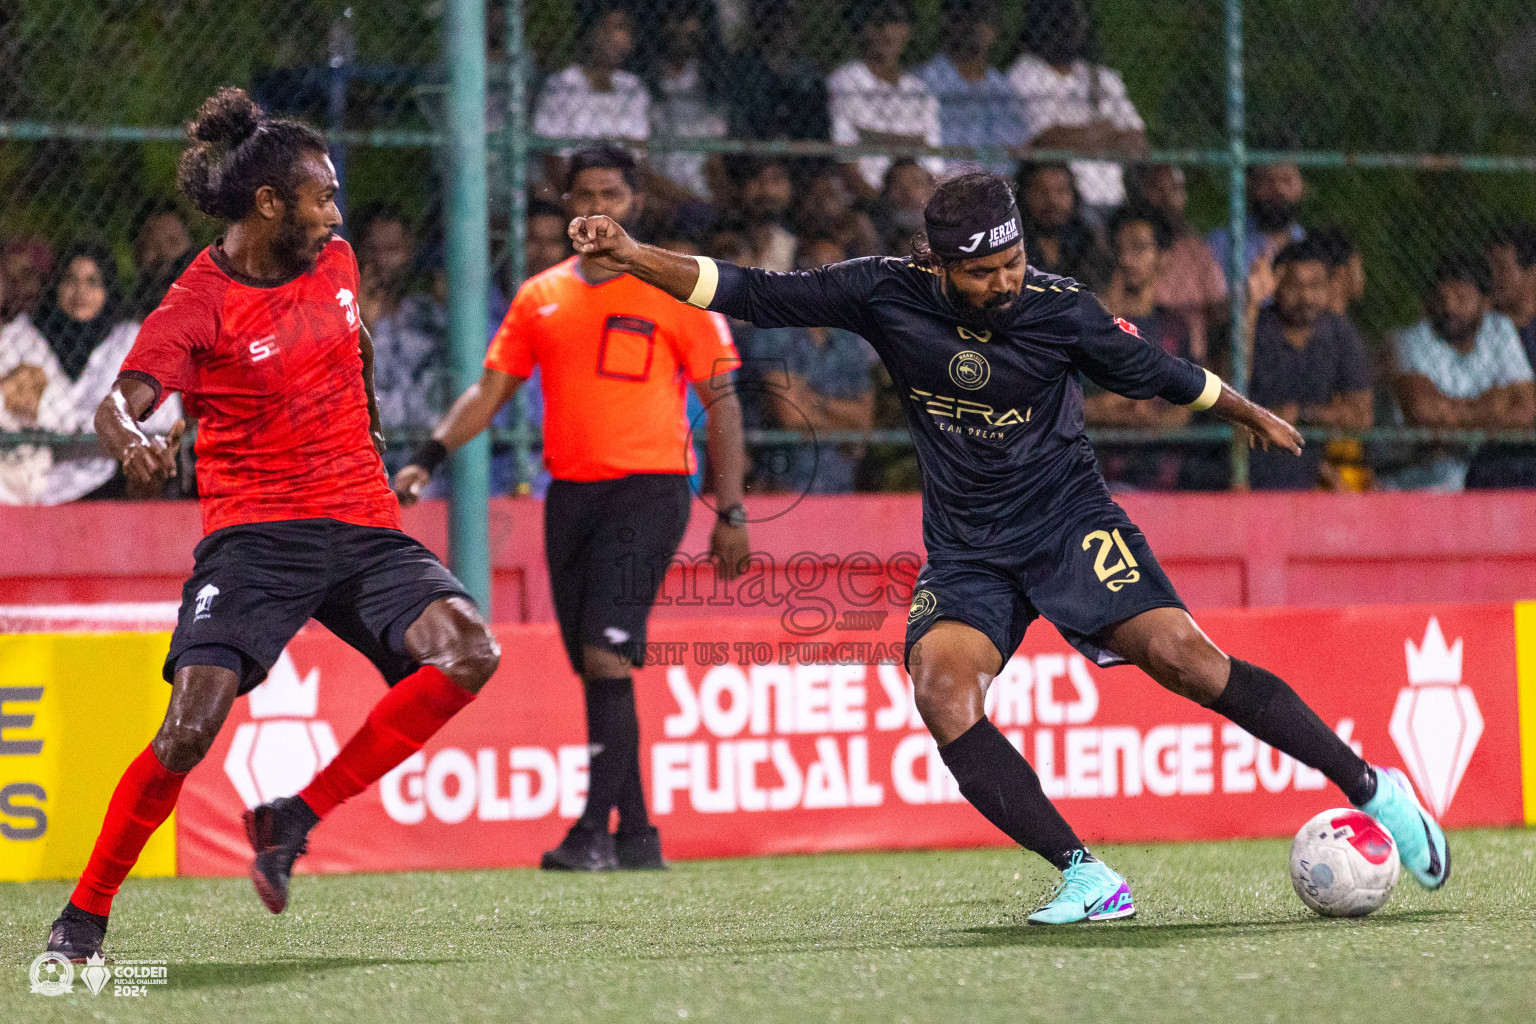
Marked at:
<point>417,706</point>
<point>141,802</point>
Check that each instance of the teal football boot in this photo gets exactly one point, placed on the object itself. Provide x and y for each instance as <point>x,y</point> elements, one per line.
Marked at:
<point>1421,844</point>
<point>1089,891</point>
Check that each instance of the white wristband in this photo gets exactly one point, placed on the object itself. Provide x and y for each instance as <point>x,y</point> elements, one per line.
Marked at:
<point>1209,395</point>
<point>709,279</point>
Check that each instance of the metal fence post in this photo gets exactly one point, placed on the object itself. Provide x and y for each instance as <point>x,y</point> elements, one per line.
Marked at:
<point>468,258</point>
<point>517,212</point>
<point>1237,209</point>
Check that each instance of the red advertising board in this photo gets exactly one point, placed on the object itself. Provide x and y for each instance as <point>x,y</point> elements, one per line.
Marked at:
<point>756,742</point>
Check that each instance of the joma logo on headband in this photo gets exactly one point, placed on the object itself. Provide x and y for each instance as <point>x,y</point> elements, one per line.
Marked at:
<point>1003,234</point>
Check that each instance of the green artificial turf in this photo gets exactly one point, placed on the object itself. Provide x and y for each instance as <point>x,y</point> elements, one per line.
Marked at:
<point>877,937</point>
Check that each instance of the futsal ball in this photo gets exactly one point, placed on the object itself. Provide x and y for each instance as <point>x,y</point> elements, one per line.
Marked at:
<point>1343,863</point>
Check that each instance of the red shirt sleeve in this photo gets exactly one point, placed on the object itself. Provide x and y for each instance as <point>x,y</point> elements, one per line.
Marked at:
<point>184,325</point>
<point>511,348</point>
<point>705,347</point>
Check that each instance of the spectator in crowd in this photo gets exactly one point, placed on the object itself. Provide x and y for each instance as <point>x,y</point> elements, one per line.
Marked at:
<point>777,92</point>
<point>826,208</point>
<point>595,98</point>
<point>34,395</point>
<point>26,264</point>
<point>763,195</point>
<point>1057,239</point>
<point>908,186</point>
<point>83,320</point>
<point>162,249</point>
<point>875,102</point>
<point>1275,194</point>
<point>1345,466</point>
<point>814,380</point>
<point>1309,365</point>
<point>548,244</point>
<point>1512,276</point>
<point>1189,280</point>
<point>1346,268</point>
<point>686,70</point>
<point>1132,296</point>
<point>977,106</point>
<point>409,329</point>
<point>1461,367</point>
<point>1071,102</point>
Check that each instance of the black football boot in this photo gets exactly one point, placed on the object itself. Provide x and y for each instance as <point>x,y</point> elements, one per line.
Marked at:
<point>582,849</point>
<point>279,833</point>
<point>77,934</point>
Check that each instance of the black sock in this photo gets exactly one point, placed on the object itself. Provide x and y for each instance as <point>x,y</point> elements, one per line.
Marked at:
<point>614,733</point>
<point>70,910</point>
<point>633,817</point>
<point>1262,703</point>
<point>1000,784</point>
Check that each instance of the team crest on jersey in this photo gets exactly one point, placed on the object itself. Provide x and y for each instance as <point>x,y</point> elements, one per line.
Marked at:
<point>1126,326</point>
<point>969,370</point>
<point>923,603</point>
<point>348,302</point>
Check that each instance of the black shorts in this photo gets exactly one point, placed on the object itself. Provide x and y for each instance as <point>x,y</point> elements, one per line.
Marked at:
<point>608,544</point>
<point>255,585</point>
<point>1087,577</point>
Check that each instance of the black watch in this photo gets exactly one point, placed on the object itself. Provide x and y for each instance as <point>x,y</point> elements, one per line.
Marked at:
<point>736,515</point>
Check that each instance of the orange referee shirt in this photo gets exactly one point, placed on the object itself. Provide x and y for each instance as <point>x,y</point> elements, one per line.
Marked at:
<point>617,357</point>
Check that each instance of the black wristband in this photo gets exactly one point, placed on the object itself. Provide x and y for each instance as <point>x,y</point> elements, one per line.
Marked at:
<point>429,455</point>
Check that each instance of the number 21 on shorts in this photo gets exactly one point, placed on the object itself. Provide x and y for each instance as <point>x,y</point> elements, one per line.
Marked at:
<point>1108,542</point>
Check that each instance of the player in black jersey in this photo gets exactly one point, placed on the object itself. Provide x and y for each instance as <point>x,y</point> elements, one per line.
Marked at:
<point>1018,522</point>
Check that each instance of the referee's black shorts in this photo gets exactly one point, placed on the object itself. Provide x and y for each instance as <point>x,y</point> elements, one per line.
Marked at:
<point>255,585</point>
<point>608,544</point>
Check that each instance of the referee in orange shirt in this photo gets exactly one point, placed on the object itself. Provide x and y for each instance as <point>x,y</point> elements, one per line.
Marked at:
<point>615,354</point>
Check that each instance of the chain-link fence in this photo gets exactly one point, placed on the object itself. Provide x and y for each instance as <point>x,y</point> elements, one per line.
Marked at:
<point>792,132</point>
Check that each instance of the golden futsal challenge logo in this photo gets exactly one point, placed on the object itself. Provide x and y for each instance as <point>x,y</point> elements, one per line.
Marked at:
<point>923,603</point>
<point>969,370</point>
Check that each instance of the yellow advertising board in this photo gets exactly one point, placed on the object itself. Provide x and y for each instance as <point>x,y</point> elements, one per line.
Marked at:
<point>1525,666</point>
<point>74,710</point>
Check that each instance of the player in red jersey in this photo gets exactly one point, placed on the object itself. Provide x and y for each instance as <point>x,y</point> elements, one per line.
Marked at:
<point>261,337</point>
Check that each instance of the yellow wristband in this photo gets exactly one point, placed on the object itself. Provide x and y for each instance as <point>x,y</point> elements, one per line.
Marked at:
<point>1209,395</point>
<point>709,279</point>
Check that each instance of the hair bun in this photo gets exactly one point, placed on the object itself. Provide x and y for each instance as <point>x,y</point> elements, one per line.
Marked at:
<point>226,119</point>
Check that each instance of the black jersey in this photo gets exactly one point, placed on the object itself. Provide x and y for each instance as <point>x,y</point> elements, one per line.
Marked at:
<point>996,415</point>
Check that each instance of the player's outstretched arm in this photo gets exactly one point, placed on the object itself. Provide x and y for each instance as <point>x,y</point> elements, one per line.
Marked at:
<point>606,243</point>
<point>148,462</point>
<point>1265,429</point>
<point>472,413</point>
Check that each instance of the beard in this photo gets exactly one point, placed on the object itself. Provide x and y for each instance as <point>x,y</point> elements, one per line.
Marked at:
<point>996,315</point>
<point>1274,214</point>
<point>291,247</point>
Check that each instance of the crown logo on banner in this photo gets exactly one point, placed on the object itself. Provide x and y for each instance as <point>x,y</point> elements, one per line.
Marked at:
<point>1436,722</point>
<point>281,749</point>
<point>1432,661</point>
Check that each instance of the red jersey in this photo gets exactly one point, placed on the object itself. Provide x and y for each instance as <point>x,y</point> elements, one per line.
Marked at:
<point>273,375</point>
